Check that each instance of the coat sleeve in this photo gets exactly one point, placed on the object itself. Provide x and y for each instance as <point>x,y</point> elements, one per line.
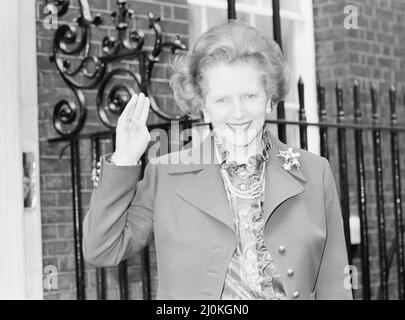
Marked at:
<point>333,274</point>
<point>119,222</point>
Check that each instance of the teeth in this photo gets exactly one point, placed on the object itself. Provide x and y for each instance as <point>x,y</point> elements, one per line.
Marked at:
<point>239,127</point>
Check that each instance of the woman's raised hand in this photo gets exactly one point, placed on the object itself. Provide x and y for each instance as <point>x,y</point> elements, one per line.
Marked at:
<point>132,135</point>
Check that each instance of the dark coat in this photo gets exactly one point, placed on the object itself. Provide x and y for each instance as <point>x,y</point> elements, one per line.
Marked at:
<point>186,209</point>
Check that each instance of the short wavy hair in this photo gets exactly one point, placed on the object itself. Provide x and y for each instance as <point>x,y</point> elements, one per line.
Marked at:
<point>231,42</point>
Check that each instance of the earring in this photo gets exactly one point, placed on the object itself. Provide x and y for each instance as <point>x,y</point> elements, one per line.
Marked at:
<point>268,107</point>
<point>205,117</point>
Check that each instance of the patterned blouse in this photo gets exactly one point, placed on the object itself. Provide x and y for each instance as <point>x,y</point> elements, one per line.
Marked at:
<point>252,273</point>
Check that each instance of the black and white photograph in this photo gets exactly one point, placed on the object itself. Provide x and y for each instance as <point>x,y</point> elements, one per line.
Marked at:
<point>202,150</point>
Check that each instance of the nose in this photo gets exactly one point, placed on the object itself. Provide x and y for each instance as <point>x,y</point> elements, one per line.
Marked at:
<point>238,109</point>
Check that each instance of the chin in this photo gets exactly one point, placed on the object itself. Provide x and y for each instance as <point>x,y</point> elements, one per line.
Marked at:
<point>241,139</point>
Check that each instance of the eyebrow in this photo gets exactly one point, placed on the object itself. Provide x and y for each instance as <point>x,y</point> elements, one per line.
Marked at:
<point>219,96</point>
<point>252,91</point>
<point>255,90</point>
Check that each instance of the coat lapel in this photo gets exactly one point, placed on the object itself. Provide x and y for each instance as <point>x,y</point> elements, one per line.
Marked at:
<point>281,184</point>
<point>206,191</point>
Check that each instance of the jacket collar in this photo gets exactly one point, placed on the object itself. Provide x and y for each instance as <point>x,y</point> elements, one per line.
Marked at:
<point>206,190</point>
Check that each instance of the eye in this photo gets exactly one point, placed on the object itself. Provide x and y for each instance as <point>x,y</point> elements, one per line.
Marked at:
<point>221,100</point>
<point>250,95</point>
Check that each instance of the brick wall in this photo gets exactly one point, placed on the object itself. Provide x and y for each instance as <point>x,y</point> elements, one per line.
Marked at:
<point>373,52</point>
<point>56,202</point>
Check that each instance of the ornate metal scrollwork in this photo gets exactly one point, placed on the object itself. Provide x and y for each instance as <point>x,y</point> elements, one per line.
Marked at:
<point>61,6</point>
<point>117,96</point>
<point>80,70</point>
<point>121,47</point>
<point>68,117</point>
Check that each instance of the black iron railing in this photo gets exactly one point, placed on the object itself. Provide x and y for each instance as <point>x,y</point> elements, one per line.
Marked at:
<point>342,127</point>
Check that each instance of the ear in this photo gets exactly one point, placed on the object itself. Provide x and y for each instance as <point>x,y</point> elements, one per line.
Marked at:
<point>204,116</point>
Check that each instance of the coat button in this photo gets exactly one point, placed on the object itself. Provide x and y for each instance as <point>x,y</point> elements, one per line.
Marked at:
<point>95,177</point>
<point>290,272</point>
<point>281,249</point>
<point>98,165</point>
<point>296,294</point>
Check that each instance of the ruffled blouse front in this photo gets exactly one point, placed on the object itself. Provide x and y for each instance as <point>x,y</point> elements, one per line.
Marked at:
<point>252,273</point>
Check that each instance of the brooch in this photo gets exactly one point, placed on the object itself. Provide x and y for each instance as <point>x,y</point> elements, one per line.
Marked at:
<point>290,158</point>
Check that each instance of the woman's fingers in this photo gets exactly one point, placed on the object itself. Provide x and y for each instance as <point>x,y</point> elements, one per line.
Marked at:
<point>145,111</point>
<point>136,114</point>
<point>125,114</point>
<point>137,109</point>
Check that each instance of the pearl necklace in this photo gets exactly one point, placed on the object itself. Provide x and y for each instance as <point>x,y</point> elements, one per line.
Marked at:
<point>252,193</point>
<point>258,186</point>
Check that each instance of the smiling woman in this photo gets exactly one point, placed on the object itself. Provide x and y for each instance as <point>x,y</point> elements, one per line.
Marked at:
<point>230,43</point>
<point>234,76</point>
<point>260,221</point>
<point>236,107</point>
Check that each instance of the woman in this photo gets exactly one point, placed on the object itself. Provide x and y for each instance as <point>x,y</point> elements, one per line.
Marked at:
<point>258,220</point>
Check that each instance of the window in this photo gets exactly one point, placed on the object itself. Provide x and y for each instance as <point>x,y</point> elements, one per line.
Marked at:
<point>298,48</point>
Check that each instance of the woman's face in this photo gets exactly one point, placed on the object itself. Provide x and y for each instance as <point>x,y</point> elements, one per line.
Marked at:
<point>235,101</point>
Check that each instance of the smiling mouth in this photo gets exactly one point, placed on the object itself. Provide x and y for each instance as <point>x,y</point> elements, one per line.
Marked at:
<point>239,127</point>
